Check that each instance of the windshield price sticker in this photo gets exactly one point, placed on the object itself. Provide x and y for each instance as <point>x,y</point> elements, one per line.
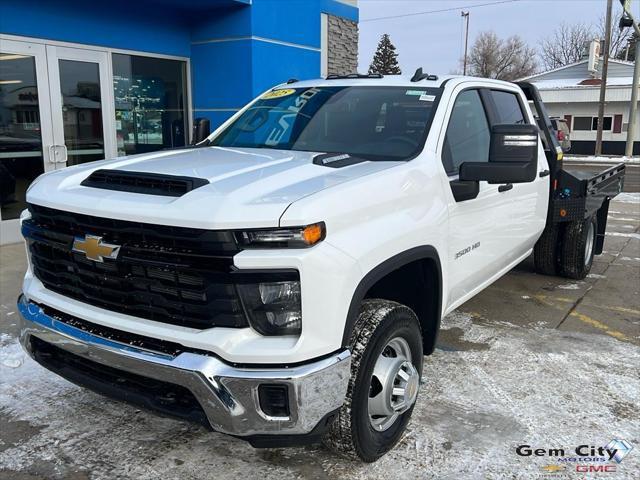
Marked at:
<point>278,93</point>
<point>421,94</point>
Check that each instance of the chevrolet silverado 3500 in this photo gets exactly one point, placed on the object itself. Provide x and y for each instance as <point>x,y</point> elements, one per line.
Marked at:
<point>281,280</point>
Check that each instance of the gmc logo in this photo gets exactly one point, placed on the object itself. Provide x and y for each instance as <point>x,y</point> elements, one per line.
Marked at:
<point>595,468</point>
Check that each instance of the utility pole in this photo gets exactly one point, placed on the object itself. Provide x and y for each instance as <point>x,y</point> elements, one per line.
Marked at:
<point>603,84</point>
<point>629,21</point>
<point>466,41</point>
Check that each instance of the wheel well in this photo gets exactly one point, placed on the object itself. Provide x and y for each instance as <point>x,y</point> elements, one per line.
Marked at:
<point>412,279</point>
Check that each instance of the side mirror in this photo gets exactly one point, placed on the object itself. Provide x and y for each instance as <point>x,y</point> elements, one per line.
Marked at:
<point>513,156</point>
<point>201,130</point>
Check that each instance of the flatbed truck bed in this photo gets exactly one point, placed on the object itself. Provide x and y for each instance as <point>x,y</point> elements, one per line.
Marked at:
<point>578,200</point>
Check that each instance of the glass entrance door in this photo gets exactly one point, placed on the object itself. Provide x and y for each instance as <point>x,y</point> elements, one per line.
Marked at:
<point>56,109</point>
<point>82,106</point>
<point>25,128</point>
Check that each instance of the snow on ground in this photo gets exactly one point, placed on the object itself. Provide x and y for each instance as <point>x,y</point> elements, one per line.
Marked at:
<point>595,275</point>
<point>627,197</point>
<point>570,286</point>
<point>492,389</point>
<point>622,234</point>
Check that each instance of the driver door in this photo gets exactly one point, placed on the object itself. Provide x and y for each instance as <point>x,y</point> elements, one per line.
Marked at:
<point>473,253</point>
<point>493,231</point>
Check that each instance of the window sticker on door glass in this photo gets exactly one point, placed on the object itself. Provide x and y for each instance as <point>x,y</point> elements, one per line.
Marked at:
<point>427,98</point>
<point>415,92</point>
<point>277,93</point>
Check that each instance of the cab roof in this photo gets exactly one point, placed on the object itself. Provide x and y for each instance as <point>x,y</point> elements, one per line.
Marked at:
<point>389,80</point>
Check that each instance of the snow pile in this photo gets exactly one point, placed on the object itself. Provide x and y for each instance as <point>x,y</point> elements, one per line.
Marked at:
<point>576,83</point>
<point>627,197</point>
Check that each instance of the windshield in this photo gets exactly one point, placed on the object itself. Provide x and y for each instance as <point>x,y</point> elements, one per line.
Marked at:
<point>376,123</point>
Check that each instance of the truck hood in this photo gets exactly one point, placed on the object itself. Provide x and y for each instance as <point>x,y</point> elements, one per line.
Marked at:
<point>248,187</point>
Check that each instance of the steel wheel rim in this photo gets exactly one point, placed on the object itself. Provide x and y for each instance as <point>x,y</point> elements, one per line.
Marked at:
<point>588,248</point>
<point>394,385</point>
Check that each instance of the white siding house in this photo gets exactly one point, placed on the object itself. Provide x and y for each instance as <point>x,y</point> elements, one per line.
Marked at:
<point>572,92</point>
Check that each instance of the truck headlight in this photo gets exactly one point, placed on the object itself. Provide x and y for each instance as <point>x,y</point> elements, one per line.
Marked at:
<point>289,237</point>
<point>273,308</point>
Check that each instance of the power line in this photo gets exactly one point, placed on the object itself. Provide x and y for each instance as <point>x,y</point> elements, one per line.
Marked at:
<point>464,7</point>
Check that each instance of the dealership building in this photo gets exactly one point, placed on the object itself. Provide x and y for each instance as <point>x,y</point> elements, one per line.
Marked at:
<point>81,81</point>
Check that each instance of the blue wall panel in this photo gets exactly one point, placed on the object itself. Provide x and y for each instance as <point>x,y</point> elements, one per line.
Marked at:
<point>230,22</point>
<point>229,74</point>
<point>116,24</point>
<point>295,21</point>
<point>221,74</point>
<point>225,75</point>
<point>340,9</point>
<point>215,118</point>
<point>273,64</point>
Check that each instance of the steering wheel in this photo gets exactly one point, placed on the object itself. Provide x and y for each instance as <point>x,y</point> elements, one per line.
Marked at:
<point>399,138</point>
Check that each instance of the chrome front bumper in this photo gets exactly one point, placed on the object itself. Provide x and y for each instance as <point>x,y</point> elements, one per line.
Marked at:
<point>227,395</point>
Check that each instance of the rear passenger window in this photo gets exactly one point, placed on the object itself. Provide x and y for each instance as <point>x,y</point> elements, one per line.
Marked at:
<point>508,107</point>
<point>468,136</point>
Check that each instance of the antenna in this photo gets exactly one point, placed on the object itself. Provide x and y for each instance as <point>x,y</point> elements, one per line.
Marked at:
<point>421,76</point>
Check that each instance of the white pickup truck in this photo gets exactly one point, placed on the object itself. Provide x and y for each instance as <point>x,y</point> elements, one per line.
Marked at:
<point>281,280</point>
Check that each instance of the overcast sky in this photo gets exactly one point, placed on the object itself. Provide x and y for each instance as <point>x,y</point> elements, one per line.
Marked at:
<point>434,41</point>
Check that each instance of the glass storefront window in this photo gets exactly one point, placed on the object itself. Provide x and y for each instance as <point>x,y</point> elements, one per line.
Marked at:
<point>20,139</point>
<point>81,111</point>
<point>150,102</point>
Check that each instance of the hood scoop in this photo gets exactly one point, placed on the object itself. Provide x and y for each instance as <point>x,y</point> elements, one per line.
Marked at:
<point>142,182</point>
<point>336,160</point>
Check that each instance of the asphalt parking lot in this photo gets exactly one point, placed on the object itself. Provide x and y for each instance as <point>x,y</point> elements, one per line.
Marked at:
<point>533,360</point>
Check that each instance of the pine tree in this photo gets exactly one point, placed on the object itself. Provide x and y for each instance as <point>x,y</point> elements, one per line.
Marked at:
<point>385,60</point>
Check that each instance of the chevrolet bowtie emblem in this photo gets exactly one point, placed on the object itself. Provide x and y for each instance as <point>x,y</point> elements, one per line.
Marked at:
<point>553,468</point>
<point>94,249</point>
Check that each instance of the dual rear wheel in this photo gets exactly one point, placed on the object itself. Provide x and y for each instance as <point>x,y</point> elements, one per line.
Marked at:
<point>567,249</point>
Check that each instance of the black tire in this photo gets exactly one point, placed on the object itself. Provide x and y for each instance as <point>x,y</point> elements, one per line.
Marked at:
<point>352,434</point>
<point>575,261</point>
<point>545,252</point>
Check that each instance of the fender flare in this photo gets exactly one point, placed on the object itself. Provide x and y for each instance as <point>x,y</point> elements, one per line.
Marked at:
<point>425,252</point>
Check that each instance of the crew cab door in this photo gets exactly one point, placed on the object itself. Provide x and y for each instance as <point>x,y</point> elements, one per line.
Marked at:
<point>491,231</point>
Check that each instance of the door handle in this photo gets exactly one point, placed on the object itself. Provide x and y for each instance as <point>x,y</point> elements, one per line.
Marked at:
<point>506,187</point>
<point>544,173</point>
<point>57,153</point>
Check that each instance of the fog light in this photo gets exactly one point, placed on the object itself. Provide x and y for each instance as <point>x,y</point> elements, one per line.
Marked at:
<point>273,308</point>
<point>279,292</point>
<point>274,399</point>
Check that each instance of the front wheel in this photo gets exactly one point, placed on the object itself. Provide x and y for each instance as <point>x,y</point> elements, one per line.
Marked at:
<point>386,367</point>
